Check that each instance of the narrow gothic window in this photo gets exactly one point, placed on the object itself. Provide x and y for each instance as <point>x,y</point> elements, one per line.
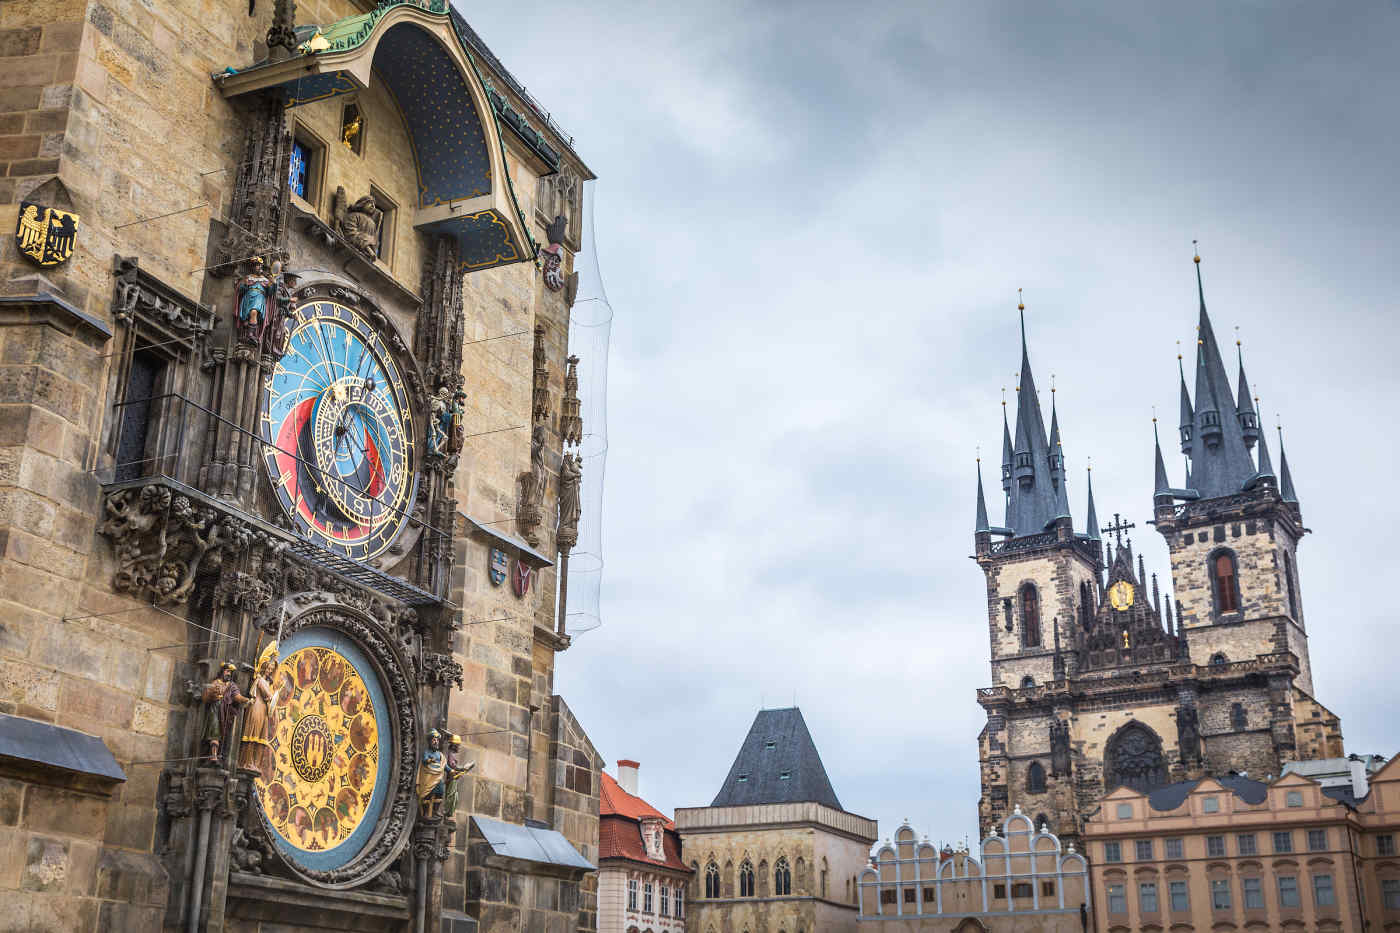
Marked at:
<point>1134,759</point>
<point>1218,660</point>
<point>143,380</point>
<point>296,171</point>
<point>1288,582</point>
<point>746,879</point>
<point>712,880</point>
<point>782,878</point>
<point>1027,681</point>
<point>1035,778</point>
<point>1030,616</point>
<point>1227,591</point>
<point>1238,720</point>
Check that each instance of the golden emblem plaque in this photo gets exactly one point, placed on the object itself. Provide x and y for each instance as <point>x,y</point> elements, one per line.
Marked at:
<point>1120,595</point>
<point>46,234</point>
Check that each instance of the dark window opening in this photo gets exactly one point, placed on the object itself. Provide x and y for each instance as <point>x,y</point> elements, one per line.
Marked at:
<point>1239,720</point>
<point>888,897</point>
<point>1035,778</point>
<point>147,370</point>
<point>712,880</point>
<point>1288,582</point>
<point>782,878</point>
<point>746,887</point>
<point>1023,889</point>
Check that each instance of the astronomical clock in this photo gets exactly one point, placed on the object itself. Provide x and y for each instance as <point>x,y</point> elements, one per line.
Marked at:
<point>338,432</point>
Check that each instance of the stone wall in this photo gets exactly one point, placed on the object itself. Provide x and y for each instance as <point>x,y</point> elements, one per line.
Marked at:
<point>1056,574</point>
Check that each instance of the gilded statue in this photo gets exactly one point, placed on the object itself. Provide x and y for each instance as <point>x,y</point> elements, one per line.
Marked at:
<point>255,752</point>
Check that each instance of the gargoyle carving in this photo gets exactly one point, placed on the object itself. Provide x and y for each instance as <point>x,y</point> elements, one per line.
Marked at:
<point>162,542</point>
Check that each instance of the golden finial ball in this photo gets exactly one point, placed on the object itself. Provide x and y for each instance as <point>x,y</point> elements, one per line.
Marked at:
<point>1196,260</point>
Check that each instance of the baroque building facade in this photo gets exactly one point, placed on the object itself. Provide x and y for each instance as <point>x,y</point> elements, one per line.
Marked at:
<point>1236,853</point>
<point>774,852</point>
<point>1097,680</point>
<point>286,470</point>
<point>642,882</point>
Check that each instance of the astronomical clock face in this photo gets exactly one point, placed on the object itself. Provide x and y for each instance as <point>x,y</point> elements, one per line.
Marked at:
<point>329,781</point>
<point>339,430</point>
<point>1120,595</point>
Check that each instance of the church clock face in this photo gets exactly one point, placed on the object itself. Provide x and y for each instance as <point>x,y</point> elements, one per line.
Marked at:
<point>339,432</point>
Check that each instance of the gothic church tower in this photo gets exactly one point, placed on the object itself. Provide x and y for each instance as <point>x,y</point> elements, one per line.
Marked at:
<point>1096,683</point>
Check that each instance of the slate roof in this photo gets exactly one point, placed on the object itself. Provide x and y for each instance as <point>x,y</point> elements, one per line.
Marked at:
<point>1173,795</point>
<point>778,744</point>
<point>41,743</point>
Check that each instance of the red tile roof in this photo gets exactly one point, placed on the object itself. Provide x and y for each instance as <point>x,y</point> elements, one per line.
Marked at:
<point>620,829</point>
<point>617,802</point>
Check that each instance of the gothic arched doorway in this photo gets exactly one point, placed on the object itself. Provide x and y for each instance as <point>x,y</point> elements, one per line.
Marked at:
<point>1133,759</point>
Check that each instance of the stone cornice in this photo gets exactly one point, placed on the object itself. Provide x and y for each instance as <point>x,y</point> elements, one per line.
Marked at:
<point>44,308</point>
<point>767,816</point>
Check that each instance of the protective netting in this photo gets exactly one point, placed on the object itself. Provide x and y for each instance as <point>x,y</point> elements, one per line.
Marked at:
<point>590,329</point>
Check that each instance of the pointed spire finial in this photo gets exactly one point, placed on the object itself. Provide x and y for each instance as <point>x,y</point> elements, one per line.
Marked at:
<point>983,524</point>
<point>1091,523</point>
<point>1163,485</point>
<point>1197,251</point>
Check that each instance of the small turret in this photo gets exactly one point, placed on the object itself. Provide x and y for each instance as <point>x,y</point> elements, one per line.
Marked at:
<point>1244,408</point>
<point>983,525</point>
<point>1286,489</point>
<point>1006,450</point>
<point>1092,521</point>
<point>1188,416</point>
<point>1162,488</point>
<point>1266,465</point>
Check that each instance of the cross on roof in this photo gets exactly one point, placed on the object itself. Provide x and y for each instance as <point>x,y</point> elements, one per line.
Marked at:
<point>1117,527</point>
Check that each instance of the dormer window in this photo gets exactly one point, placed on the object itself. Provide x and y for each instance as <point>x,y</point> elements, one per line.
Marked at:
<point>770,744</point>
<point>785,776</point>
<point>743,778</point>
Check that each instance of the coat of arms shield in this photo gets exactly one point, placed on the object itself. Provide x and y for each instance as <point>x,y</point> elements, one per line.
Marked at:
<point>499,565</point>
<point>46,234</point>
<point>520,578</point>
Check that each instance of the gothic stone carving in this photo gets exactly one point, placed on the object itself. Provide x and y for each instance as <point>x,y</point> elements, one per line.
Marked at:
<point>1134,759</point>
<point>258,221</point>
<point>570,479</point>
<point>139,294</point>
<point>1188,734</point>
<point>358,222</point>
<point>162,542</point>
<point>570,417</point>
<point>441,669</point>
<point>1059,748</point>
<point>532,485</point>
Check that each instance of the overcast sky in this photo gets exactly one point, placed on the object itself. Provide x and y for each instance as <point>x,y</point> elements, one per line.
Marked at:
<point>812,219</point>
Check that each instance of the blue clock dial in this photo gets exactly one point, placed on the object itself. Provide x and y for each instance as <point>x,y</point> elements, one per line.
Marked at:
<point>338,432</point>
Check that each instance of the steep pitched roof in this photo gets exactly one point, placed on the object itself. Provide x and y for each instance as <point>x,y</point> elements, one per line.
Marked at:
<point>1033,505</point>
<point>620,828</point>
<point>778,763</point>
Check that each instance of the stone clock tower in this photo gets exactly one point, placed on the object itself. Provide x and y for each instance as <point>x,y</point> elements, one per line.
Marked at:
<point>1097,681</point>
<point>263,486</point>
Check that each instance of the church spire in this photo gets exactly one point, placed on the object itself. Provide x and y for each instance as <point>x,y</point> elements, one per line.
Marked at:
<point>982,523</point>
<point>1162,486</point>
<point>1285,475</point>
<point>1006,450</point>
<point>1092,522</point>
<point>1220,461</point>
<point>1032,505</point>
<point>1266,465</point>
<point>1244,409</point>
<point>1188,416</point>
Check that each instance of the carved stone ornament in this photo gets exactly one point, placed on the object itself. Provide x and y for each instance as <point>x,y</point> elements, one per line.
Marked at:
<point>497,569</point>
<point>162,542</point>
<point>376,638</point>
<point>532,482</point>
<point>570,416</point>
<point>1188,734</point>
<point>358,222</point>
<point>570,481</point>
<point>539,404</point>
<point>141,295</point>
<point>441,669</point>
<point>1059,748</point>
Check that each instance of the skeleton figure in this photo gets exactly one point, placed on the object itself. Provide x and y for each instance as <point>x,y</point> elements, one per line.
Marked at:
<point>358,222</point>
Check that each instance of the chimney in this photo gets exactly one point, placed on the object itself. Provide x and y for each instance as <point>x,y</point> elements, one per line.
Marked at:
<point>627,775</point>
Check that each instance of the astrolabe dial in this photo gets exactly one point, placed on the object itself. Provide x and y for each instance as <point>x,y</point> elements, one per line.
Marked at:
<point>1120,595</point>
<point>339,434</point>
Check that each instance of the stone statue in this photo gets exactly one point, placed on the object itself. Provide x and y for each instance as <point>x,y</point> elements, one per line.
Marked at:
<point>570,479</point>
<point>254,290</point>
<point>532,486</point>
<point>430,775</point>
<point>221,698</point>
<point>439,420</point>
<point>1059,748</point>
<point>255,751</point>
<point>1188,733</point>
<point>358,222</point>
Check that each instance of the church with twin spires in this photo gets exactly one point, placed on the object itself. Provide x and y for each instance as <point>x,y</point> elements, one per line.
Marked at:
<point>1098,680</point>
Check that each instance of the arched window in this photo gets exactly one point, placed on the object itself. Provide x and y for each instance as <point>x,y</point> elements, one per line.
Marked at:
<point>1218,659</point>
<point>1027,681</point>
<point>1030,616</point>
<point>712,888</point>
<point>1042,823</point>
<point>1239,720</point>
<point>1133,759</point>
<point>746,879</point>
<point>1035,778</point>
<point>782,877</point>
<point>1225,582</point>
<point>1086,606</point>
